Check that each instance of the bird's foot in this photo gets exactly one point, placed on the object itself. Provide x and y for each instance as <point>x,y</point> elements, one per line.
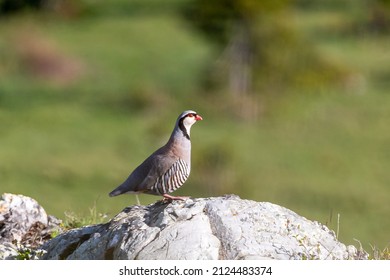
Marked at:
<point>169,198</point>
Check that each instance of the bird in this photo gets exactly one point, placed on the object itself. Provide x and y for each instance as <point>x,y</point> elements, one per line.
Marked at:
<point>167,169</point>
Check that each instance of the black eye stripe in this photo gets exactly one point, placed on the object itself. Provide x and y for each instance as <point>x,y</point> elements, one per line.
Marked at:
<point>183,129</point>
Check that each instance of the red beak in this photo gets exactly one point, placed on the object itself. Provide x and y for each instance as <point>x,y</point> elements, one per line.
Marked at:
<point>198,118</point>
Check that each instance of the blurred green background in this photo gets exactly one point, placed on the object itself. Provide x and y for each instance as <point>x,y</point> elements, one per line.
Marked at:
<point>294,95</point>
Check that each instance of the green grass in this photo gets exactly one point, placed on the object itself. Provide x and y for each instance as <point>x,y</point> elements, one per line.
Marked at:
<point>331,157</point>
<point>67,145</point>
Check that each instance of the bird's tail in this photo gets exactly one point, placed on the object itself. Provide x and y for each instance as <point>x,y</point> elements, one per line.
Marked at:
<point>121,190</point>
<point>115,193</point>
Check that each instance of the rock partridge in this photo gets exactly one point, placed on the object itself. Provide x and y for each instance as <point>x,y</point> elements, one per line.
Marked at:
<point>166,169</point>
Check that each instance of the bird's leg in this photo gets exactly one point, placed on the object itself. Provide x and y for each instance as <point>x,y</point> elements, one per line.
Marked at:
<point>137,198</point>
<point>170,197</point>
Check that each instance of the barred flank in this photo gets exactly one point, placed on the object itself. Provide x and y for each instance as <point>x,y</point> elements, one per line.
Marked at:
<point>172,179</point>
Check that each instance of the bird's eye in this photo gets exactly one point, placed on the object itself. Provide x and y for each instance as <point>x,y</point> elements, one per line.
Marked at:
<point>190,115</point>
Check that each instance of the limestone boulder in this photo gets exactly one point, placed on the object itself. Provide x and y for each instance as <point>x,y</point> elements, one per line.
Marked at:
<point>24,225</point>
<point>219,228</point>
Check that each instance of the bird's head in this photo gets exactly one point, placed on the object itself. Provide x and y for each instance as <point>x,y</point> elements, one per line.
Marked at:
<point>186,120</point>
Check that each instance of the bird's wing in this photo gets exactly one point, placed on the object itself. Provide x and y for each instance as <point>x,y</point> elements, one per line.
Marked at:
<point>146,174</point>
<point>157,165</point>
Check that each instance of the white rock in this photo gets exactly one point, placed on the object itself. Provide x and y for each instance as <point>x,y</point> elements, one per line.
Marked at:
<point>24,224</point>
<point>204,228</point>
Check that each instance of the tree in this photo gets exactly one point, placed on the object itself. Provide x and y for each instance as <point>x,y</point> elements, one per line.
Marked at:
<point>260,46</point>
<point>231,25</point>
<point>9,6</point>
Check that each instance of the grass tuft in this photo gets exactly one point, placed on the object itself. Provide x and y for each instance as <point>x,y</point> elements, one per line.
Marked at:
<point>73,220</point>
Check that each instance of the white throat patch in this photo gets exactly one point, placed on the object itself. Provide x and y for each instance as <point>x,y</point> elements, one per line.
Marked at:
<point>188,122</point>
